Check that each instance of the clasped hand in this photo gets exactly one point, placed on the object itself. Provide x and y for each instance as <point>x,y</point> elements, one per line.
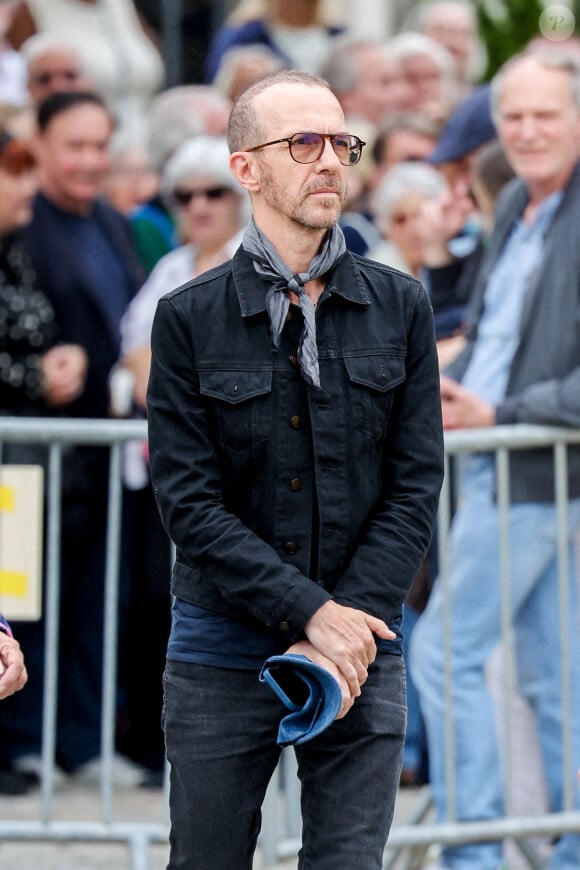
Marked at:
<point>342,640</point>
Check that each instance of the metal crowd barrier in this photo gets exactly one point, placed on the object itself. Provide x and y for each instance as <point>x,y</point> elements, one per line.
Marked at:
<point>281,835</point>
<point>58,434</point>
<point>281,817</point>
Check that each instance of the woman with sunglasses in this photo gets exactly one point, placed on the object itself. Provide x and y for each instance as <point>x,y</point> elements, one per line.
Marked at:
<point>210,210</point>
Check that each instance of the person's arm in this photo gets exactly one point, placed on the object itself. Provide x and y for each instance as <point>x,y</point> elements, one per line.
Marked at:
<point>555,402</point>
<point>13,674</point>
<point>398,534</point>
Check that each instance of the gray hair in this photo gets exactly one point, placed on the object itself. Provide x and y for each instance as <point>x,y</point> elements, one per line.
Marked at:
<point>200,155</point>
<point>204,156</point>
<point>341,68</point>
<point>41,43</point>
<point>233,58</point>
<point>179,113</point>
<point>410,44</point>
<point>244,128</point>
<point>550,58</point>
<point>421,18</point>
<point>402,179</point>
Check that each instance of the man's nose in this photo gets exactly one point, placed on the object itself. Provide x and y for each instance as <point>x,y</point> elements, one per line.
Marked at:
<point>328,157</point>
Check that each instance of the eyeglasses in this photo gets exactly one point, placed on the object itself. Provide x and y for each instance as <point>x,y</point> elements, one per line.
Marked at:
<point>45,78</point>
<point>184,197</point>
<point>308,147</point>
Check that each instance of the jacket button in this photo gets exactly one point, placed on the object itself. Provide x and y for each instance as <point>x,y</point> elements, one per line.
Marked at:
<point>291,547</point>
<point>381,377</point>
<point>288,316</point>
<point>295,421</point>
<point>284,625</point>
<point>293,359</point>
<point>295,484</point>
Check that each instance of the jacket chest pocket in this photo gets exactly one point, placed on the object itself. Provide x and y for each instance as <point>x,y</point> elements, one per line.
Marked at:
<point>372,388</point>
<point>241,406</point>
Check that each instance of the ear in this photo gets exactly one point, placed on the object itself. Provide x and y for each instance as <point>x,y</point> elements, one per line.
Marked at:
<point>242,166</point>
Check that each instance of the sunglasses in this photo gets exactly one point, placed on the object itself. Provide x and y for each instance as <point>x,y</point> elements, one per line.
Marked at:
<point>45,78</point>
<point>184,197</point>
<point>308,147</point>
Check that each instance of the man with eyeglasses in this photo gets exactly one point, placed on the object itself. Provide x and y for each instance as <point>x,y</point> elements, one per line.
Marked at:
<point>296,456</point>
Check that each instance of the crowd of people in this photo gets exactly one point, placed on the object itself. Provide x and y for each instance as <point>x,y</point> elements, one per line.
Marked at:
<point>114,191</point>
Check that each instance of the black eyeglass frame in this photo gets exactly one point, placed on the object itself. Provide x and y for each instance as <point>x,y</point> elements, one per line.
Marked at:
<point>355,149</point>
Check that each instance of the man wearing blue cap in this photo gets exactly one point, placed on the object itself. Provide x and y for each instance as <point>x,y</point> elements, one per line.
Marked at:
<point>296,457</point>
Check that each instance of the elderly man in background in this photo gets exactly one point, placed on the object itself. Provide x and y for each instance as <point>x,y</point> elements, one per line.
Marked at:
<point>366,79</point>
<point>521,364</point>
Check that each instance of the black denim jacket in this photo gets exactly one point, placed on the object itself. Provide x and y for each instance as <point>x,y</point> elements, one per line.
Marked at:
<point>278,495</point>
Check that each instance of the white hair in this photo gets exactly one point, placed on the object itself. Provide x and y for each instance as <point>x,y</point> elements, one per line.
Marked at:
<point>410,44</point>
<point>404,178</point>
<point>41,43</point>
<point>207,156</point>
<point>550,58</point>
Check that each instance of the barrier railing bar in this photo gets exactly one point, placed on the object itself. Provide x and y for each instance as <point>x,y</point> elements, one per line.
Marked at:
<point>110,628</point>
<point>507,664</point>
<point>561,493</point>
<point>444,522</point>
<point>52,628</point>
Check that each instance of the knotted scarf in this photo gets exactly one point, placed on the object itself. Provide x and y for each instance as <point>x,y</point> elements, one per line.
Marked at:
<point>268,265</point>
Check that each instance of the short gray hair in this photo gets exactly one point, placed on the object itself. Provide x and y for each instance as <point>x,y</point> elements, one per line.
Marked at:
<point>200,155</point>
<point>41,43</point>
<point>244,128</point>
<point>402,179</point>
<point>341,68</point>
<point>550,58</point>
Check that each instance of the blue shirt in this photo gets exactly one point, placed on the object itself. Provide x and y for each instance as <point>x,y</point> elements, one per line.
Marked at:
<point>499,328</point>
<point>203,637</point>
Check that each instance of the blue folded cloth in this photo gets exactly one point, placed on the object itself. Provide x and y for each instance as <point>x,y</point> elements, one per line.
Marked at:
<point>309,691</point>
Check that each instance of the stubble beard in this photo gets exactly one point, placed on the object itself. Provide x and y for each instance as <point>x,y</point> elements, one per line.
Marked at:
<point>319,214</point>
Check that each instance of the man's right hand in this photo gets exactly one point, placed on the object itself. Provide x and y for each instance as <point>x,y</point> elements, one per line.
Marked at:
<point>346,636</point>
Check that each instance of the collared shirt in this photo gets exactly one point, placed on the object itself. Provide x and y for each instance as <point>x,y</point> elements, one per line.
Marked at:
<point>499,328</point>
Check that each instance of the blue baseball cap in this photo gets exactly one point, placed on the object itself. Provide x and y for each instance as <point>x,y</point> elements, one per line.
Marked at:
<point>308,691</point>
<point>468,127</point>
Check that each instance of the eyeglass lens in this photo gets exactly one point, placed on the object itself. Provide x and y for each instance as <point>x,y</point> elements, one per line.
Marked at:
<point>308,147</point>
<point>184,197</point>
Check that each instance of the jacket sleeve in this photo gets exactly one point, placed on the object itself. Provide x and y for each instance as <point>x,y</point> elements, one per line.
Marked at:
<point>398,534</point>
<point>555,402</point>
<point>188,487</point>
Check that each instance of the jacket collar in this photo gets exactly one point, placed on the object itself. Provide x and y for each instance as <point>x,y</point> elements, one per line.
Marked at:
<point>344,281</point>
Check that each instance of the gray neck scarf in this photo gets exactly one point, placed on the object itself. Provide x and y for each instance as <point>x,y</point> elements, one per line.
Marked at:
<point>268,265</point>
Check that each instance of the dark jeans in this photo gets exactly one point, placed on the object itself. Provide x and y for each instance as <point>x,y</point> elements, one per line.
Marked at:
<point>220,732</point>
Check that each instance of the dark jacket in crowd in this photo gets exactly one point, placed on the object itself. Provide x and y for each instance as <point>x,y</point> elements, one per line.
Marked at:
<point>279,495</point>
<point>81,314</point>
